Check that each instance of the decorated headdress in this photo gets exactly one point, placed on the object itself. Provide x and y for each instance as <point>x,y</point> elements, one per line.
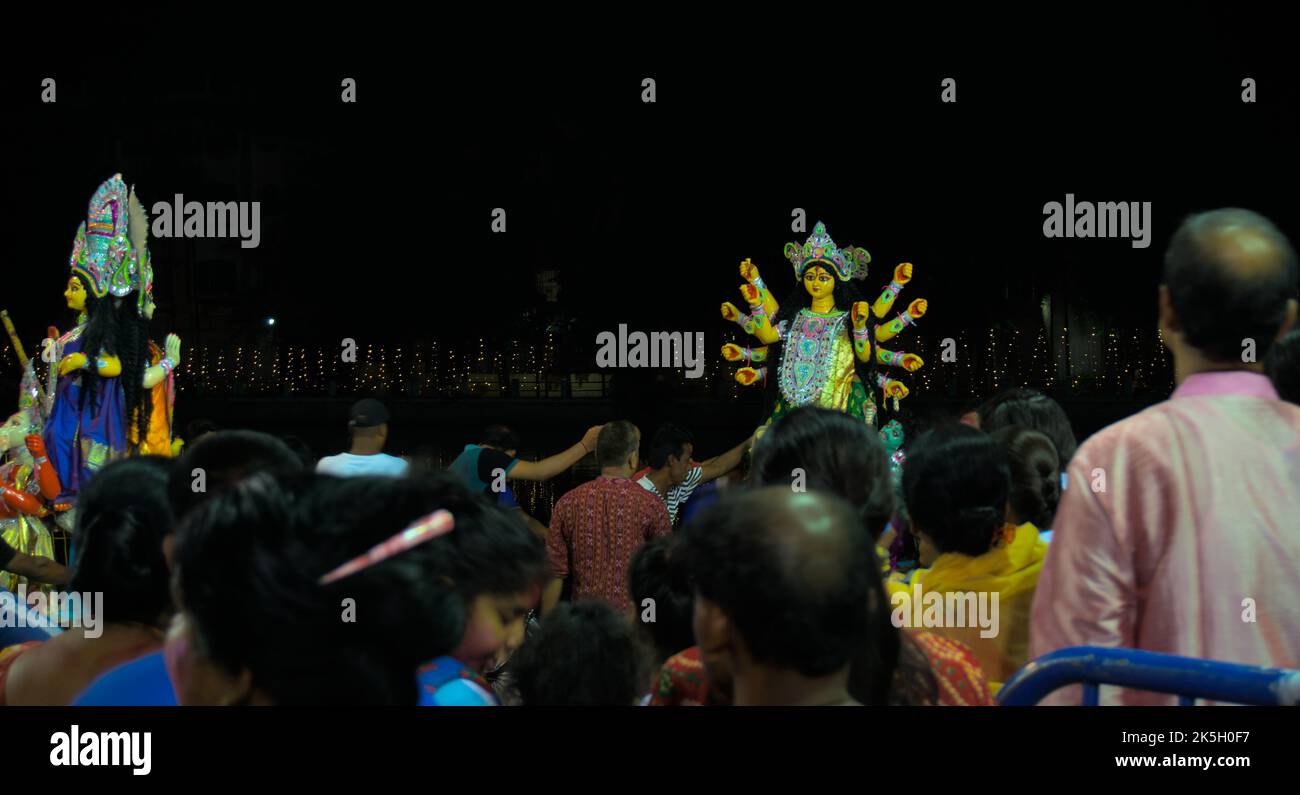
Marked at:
<point>848,262</point>
<point>110,253</point>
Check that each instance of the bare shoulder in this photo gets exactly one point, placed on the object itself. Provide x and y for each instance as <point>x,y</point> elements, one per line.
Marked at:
<point>39,676</point>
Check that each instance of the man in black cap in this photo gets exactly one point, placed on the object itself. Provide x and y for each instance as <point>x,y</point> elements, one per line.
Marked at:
<point>368,424</point>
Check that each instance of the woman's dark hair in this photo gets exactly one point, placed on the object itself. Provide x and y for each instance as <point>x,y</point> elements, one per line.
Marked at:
<point>1035,474</point>
<point>122,518</point>
<point>655,574</point>
<point>1033,410</point>
<point>584,655</point>
<point>248,565</point>
<point>1283,364</point>
<point>496,553</point>
<point>220,460</point>
<point>956,482</point>
<point>836,453</point>
<point>491,551</point>
<point>114,327</point>
<point>301,449</point>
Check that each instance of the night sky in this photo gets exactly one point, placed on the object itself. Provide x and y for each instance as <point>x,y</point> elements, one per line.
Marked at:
<point>376,215</point>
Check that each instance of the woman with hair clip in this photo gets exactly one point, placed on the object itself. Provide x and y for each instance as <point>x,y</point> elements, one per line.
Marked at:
<point>309,589</point>
<point>492,562</point>
<point>280,601</point>
<point>956,484</point>
<point>1035,477</point>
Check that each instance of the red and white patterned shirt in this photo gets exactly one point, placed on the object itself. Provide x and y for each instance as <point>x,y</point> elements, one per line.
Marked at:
<point>596,528</point>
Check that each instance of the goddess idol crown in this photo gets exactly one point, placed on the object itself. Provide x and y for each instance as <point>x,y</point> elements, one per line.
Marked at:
<point>848,262</point>
<point>111,250</point>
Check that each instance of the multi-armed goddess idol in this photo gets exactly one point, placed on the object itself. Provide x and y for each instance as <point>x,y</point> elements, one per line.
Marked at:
<point>819,341</point>
<point>115,394</point>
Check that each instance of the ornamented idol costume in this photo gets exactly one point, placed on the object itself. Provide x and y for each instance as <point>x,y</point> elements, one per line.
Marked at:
<point>825,357</point>
<point>112,273</point>
<point>27,483</point>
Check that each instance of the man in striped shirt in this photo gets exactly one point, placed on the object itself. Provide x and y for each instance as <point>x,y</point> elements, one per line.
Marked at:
<point>672,475</point>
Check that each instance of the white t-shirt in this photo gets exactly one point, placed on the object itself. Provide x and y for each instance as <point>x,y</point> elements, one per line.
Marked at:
<point>348,465</point>
<point>677,495</point>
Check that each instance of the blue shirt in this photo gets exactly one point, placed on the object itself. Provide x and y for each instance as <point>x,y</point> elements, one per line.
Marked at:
<point>446,682</point>
<point>139,683</point>
<point>350,465</point>
<point>476,464</point>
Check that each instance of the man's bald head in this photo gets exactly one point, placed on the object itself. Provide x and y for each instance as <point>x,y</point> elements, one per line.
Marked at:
<point>1230,274</point>
<point>791,571</point>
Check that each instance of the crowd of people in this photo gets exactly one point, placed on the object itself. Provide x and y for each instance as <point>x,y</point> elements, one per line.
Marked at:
<point>246,572</point>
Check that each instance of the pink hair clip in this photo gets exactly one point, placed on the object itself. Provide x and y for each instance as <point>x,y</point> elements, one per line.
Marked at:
<point>438,523</point>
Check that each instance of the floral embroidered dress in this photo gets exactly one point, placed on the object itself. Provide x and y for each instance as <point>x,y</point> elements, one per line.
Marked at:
<point>818,368</point>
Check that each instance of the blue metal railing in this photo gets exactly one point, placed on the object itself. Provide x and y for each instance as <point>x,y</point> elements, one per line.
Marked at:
<point>1188,678</point>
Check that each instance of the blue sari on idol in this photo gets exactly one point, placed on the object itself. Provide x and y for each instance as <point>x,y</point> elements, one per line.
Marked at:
<point>81,439</point>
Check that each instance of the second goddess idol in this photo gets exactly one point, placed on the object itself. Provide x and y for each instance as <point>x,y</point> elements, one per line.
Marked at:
<point>114,396</point>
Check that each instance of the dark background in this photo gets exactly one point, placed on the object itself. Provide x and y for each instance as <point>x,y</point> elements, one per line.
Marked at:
<point>376,215</point>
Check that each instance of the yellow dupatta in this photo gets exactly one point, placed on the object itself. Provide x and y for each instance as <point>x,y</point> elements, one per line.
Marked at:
<point>1010,569</point>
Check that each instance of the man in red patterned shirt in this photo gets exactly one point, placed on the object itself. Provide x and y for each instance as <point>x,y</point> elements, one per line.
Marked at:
<point>596,527</point>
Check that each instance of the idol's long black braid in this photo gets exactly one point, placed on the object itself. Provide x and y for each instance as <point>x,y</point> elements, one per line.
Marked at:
<point>845,295</point>
<point>114,327</point>
<point>100,335</point>
<point>134,342</point>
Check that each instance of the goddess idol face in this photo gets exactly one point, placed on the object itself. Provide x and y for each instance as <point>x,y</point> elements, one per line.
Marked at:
<point>75,295</point>
<point>818,282</point>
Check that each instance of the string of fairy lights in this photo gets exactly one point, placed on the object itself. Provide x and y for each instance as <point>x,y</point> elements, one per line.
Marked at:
<point>1108,362</point>
<point>1116,362</point>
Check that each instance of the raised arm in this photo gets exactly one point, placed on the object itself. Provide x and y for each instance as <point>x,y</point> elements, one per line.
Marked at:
<point>37,568</point>
<point>153,376</point>
<point>722,464</point>
<point>758,323</point>
<point>548,468</point>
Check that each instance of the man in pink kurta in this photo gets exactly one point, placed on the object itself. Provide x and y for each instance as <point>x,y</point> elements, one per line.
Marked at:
<point>1180,529</point>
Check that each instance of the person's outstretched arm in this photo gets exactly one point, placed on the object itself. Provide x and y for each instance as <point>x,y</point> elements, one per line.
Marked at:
<point>37,568</point>
<point>548,468</point>
<point>722,464</point>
